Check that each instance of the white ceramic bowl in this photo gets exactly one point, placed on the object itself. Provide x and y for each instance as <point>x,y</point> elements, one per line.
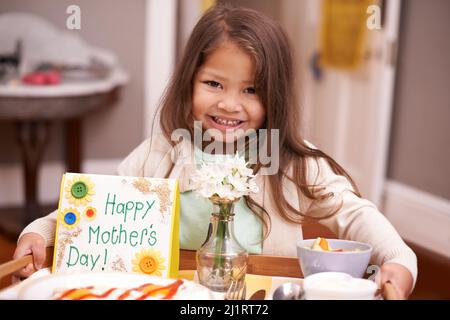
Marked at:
<point>352,262</point>
<point>338,286</point>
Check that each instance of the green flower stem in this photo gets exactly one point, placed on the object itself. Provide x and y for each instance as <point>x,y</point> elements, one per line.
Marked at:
<point>224,212</point>
<point>218,259</point>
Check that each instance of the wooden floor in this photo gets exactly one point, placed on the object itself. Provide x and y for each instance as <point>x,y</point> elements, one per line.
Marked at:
<point>433,281</point>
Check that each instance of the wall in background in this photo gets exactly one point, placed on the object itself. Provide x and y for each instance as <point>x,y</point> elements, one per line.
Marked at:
<point>417,195</point>
<point>420,153</point>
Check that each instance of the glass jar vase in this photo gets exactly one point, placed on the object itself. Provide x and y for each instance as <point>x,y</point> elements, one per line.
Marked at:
<point>221,260</point>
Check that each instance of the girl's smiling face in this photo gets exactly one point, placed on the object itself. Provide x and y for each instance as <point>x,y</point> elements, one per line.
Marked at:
<point>224,96</point>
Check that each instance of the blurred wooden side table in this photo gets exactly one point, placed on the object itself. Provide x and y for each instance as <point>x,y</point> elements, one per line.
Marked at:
<point>33,108</point>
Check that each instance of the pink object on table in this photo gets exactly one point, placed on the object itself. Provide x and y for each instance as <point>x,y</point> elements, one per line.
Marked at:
<point>50,77</point>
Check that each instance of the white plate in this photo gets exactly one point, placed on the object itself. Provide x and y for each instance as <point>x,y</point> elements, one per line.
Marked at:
<point>44,288</point>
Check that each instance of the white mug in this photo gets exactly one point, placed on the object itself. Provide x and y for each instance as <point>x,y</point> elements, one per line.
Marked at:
<point>338,286</point>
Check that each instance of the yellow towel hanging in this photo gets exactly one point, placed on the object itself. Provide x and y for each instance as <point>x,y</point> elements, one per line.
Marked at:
<point>343,32</point>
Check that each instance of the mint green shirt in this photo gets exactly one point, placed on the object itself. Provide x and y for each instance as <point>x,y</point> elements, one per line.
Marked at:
<point>195,213</point>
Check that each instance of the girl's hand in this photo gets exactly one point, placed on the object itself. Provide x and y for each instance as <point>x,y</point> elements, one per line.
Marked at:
<point>399,276</point>
<point>30,243</point>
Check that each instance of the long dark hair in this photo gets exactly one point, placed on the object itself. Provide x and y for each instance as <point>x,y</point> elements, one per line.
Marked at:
<point>268,44</point>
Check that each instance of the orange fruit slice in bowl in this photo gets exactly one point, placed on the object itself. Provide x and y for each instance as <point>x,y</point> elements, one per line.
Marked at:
<point>323,243</point>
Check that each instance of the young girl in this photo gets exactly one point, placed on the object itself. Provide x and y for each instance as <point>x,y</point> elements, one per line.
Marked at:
<point>237,73</point>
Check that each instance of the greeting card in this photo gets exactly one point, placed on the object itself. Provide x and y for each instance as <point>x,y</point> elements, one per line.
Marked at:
<point>117,224</point>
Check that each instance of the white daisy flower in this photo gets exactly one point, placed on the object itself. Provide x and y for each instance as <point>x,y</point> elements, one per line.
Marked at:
<point>227,179</point>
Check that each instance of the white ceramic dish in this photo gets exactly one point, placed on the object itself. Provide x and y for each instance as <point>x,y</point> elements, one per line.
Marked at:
<point>338,286</point>
<point>45,287</point>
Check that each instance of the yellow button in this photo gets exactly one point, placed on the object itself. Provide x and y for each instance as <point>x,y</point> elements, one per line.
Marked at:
<point>147,265</point>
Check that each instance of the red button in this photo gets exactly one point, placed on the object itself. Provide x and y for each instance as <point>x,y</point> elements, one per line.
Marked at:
<point>90,213</point>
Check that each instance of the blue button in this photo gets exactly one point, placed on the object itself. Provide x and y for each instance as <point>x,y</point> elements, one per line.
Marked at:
<point>70,218</point>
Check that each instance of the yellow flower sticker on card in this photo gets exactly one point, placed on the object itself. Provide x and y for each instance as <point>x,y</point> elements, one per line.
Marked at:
<point>90,213</point>
<point>148,261</point>
<point>69,218</point>
<point>79,191</point>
